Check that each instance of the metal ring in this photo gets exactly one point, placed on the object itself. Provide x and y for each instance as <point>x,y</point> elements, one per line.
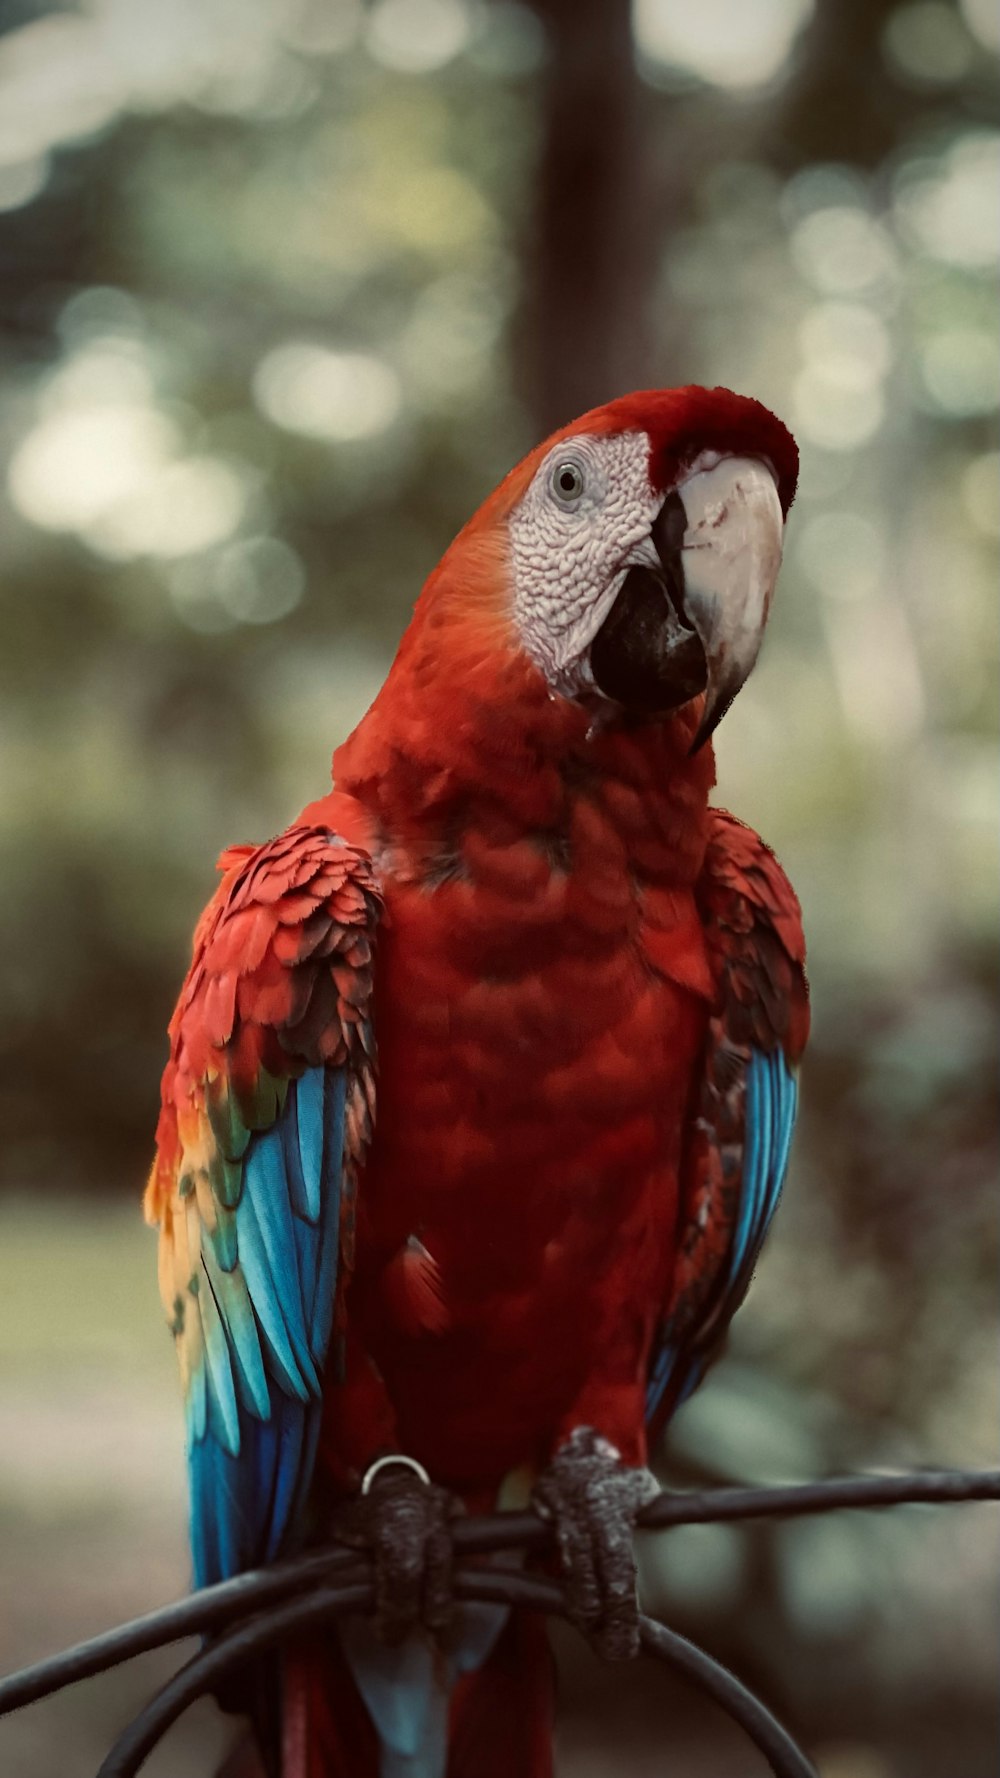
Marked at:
<point>399,1458</point>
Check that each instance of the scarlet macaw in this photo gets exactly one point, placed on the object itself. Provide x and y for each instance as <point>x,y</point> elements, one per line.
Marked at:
<point>585,990</point>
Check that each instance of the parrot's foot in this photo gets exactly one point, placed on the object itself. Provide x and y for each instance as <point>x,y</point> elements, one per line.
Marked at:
<point>404,1522</point>
<point>592,1499</point>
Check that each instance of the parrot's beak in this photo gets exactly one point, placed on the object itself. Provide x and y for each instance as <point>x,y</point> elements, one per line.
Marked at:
<point>695,622</point>
<point>727,556</point>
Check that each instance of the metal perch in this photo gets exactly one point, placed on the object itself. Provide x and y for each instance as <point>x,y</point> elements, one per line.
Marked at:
<point>260,1609</point>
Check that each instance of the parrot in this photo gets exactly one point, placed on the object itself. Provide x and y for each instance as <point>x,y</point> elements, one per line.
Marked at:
<point>480,1092</point>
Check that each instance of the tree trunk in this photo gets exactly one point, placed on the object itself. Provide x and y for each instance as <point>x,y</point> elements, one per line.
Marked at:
<point>590,255</point>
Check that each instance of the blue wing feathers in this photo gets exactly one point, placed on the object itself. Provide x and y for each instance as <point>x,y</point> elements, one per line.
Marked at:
<point>223,1416</point>
<point>222,1239</point>
<point>327,1263</point>
<point>254,1407</point>
<point>219,1522</point>
<point>328,1247</point>
<point>195,1406</point>
<point>244,1344</point>
<point>279,1465</point>
<point>264,1289</point>
<point>754,1158</point>
<point>313,1147</point>
<point>311,1133</point>
<point>296,1163</point>
<point>769,1118</point>
<point>789,1105</point>
<point>266,1188</point>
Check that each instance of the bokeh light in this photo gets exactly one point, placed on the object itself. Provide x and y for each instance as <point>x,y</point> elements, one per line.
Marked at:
<point>75,467</point>
<point>961,370</point>
<point>841,250</point>
<point>983,20</point>
<point>340,396</point>
<point>417,36</point>
<point>725,42</point>
<point>950,206</point>
<point>927,43</point>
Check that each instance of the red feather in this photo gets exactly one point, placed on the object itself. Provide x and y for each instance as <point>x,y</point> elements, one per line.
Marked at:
<point>414,1290</point>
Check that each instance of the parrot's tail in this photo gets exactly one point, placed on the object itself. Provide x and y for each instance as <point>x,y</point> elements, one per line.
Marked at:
<point>491,1721</point>
<point>502,1716</point>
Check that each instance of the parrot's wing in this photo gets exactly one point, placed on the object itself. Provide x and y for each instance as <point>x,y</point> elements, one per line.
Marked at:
<point>268,1100</point>
<point>737,1145</point>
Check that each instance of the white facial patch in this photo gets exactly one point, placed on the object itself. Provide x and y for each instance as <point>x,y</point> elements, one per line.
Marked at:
<point>581,524</point>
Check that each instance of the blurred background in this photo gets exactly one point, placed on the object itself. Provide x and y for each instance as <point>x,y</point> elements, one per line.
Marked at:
<point>286,286</point>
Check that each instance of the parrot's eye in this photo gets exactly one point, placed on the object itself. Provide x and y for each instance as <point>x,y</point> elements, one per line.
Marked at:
<point>567,482</point>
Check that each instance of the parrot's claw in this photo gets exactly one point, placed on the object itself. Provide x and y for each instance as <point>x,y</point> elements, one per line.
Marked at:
<point>404,1522</point>
<point>592,1500</point>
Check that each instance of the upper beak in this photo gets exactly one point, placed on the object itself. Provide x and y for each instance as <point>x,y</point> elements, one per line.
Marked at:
<point>718,537</point>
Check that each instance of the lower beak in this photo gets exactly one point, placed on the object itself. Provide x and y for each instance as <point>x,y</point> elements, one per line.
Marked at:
<point>696,622</point>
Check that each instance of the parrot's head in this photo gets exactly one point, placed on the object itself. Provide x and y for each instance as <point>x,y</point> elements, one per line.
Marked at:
<point>642,544</point>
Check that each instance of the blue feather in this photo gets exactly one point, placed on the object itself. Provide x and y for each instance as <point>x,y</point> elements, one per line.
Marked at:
<point>776,1172</point>
<point>223,1416</point>
<point>407,1688</point>
<point>222,1239</point>
<point>778,1097</point>
<point>231,1296</point>
<point>789,1112</point>
<point>291,1429</point>
<point>771,1099</point>
<point>287,1129</point>
<point>404,1696</point>
<point>214,1523</point>
<point>758,1161</point>
<point>266,1185</point>
<point>307,1463</point>
<point>751,1162</point>
<point>324,1277</point>
<point>194,1401</point>
<point>253,1407</point>
<point>307,1243</point>
<point>315,1138</point>
<point>267,1303</point>
<point>324,1289</point>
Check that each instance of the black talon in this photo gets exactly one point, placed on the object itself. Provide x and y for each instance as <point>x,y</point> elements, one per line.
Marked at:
<point>404,1522</point>
<point>593,1500</point>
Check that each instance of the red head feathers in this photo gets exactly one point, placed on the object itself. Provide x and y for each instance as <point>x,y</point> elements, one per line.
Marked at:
<point>624,568</point>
